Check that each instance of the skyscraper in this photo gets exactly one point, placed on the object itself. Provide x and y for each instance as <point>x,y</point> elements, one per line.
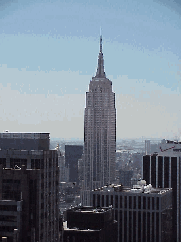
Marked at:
<point>163,170</point>
<point>29,187</point>
<point>99,130</point>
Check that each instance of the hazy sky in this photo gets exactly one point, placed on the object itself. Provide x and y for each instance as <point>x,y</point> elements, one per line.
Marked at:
<point>48,55</point>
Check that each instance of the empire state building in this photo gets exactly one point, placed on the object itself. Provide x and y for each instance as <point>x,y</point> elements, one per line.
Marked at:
<point>99,130</point>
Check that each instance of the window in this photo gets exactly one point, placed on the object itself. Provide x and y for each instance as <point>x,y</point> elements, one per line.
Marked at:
<point>107,200</point>
<point>130,202</point>
<point>112,200</point>
<point>94,202</point>
<point>98,200</point>
<point>139,226</point>
<point>102,200</point>
<point>139,202</point>
<point>144,202</point>
<point>144,226</point>
<point>148,202</point>
<point>37,163</point>
<point>153,200</point>
<point>120,201</point>
<point>42,164</point>
<point>8,208</point>
<point>3,161</point>
<point>42,205</point>
<point>125,202</point>
<point>157,203</point>
<point>134,202</point>
<point>116,201</point>
<point>125,225</point>
<point>116,215</point>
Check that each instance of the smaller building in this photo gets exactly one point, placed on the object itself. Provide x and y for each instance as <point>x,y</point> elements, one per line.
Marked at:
<point>143,213</point>
<point>72,154</point>
<point>89,224</point>
<point>64,171</point>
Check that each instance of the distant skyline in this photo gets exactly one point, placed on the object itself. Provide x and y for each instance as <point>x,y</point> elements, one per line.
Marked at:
<point>48,55</point>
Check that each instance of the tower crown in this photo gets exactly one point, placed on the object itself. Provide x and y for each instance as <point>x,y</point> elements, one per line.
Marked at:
<point>100,69</point>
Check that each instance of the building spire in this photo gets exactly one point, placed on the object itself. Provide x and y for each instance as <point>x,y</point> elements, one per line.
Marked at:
<point>101,44</point>
<point>100,69</point>
<point>100,41</point>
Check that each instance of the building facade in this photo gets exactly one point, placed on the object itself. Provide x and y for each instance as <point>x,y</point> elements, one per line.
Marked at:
<point>32,177</point>
<point>99,131</point>
<point>143,213</point>
<point>165,171</point>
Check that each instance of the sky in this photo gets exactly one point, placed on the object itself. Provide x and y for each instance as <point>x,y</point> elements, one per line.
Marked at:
<point>48,55</point>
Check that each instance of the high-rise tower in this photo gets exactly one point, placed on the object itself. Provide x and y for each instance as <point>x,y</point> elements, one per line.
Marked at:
<point>163,169</point>
<point>99,130</point>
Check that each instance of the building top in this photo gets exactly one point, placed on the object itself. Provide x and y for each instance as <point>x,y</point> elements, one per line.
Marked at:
<point>141,187</point>
<point>24,141</point>
<point>84,218</point>
<point>89,209</point>
<point>73,145</point>
<point>171,141</point>
<point>100,69</point>
<point>21,135</point>
<point>168,148</point>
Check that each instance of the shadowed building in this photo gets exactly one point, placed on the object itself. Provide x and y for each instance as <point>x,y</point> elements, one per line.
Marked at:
<point>29,178</point>
<point>72,154</point>
<point>89,224</point>
<point>125,177</point>
<point>163,169</point>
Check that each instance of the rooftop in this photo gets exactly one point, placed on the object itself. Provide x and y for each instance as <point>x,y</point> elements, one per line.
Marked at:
<point>89,209</point>
<point>21,135</point>
<point>141,187</point>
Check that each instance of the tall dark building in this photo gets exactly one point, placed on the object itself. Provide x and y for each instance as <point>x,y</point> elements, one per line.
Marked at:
<point>99,132</point>
<point>29,179</point>
<point>163,170</point>
<point>90,224</point>
<point>72,154</point>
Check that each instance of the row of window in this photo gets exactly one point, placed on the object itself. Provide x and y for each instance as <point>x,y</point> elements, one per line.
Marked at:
<point>8,218</point>
<point>35,163</point>
<point>136,225</point>
<point>8,207</point>
<point>126,202</point>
